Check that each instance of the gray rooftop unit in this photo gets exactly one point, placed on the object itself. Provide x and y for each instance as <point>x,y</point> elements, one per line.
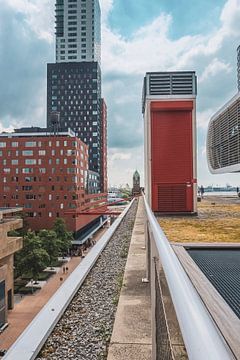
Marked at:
<point>161,84</point>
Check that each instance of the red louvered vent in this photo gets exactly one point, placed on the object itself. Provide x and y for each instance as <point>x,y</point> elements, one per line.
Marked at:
<point>172,198</point>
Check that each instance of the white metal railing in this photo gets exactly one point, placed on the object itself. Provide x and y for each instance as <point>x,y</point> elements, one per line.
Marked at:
<point>30,342</point>
<point>200,334</point>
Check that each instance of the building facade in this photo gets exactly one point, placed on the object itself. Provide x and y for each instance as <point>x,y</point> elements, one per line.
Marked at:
<point>47,175</point>
<point>169,108</point>
<point>223,138</point>
<point>103,148</point>
<point>74,90</point>
<point>78,31</point>
<point>8,246</point>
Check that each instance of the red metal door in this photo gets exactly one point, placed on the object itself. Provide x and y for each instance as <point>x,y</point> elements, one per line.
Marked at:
<point>172,160</point>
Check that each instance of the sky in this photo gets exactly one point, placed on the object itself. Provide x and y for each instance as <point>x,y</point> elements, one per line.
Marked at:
<point>137,36</point>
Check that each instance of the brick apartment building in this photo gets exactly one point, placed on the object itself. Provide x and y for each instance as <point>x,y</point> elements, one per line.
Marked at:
<point>47,175</point>
<point>8,246</point>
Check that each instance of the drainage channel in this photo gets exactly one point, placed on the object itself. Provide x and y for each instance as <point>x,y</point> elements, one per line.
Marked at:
<point>84,329</point>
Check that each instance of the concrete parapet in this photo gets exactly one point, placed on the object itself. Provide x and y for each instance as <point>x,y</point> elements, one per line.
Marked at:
<point>131,338</point>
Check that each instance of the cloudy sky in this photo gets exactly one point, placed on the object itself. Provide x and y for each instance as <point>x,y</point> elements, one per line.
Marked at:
<point>137,36</point>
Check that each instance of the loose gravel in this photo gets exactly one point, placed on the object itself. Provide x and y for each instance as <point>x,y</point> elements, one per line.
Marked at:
<point>85,329</point>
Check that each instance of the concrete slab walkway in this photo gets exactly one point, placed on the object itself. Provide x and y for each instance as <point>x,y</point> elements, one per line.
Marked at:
<point>131,338</point>
<point>24,312</point>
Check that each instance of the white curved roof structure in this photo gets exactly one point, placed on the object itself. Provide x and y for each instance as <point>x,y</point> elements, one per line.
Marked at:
<point>223,138</point>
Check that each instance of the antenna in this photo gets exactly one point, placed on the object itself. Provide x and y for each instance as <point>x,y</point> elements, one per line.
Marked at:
<point>55,122</point>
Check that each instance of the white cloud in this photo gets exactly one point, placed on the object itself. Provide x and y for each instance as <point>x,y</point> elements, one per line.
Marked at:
<point>106,7</point>
<point>39,16</point>
<point>212,56</point>
<point>13,124</point>
<point>122,163</point>
<point>203,118</point>
<point>213,68</point>
<point>149,49</point>
<point>119,156</point>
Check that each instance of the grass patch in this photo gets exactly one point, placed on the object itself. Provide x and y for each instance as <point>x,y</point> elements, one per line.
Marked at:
<point>57,263</point>
<point>215,222</point>
<point>20,282</point>
<point>27,290</point>
<point>45,275</point>
<point>119,284</point>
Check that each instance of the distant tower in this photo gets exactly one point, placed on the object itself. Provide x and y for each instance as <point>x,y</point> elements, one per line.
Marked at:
<point>136,183</point>
<point>238,67</point>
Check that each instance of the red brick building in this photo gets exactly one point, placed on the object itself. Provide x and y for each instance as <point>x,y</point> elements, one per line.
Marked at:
<point>47,175</point>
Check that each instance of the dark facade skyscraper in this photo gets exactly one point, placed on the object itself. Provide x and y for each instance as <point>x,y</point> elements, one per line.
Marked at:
<point>74,81</point>
<point>74,90</point>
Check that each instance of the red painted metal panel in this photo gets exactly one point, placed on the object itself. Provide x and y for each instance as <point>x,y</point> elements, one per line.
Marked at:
<point>172,157</point>
<point>171,105</point>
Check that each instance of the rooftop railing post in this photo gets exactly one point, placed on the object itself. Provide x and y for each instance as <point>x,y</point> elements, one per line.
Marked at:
<point>148,249</point>
<point>153,259</point>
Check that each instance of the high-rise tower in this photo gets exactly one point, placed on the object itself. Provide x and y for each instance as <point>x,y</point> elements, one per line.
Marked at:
<point>78,30</point>
<point>74,81</point>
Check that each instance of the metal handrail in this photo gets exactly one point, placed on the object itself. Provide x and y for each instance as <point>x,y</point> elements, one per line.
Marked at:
<point>201,336</point>
<point>30,342</point>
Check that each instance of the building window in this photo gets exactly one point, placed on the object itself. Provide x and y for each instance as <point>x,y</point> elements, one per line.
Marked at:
<point>2,144</point>
<point>14,144</point>
<point>42,152</point>
<point>27,170</point>
<point>27,152</point>
<point>30,143</point>
<point>30,161</point>
<point>14,162</point>
<point>50,214</point>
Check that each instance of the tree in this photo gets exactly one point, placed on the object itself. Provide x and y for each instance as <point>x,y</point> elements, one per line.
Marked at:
<point>32,258</point>
<point>65,237</point>
<point>50,243</point>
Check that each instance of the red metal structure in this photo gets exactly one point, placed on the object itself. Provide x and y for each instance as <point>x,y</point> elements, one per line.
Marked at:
<point>170,152</point>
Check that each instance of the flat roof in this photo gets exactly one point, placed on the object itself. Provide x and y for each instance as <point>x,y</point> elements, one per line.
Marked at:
<point>10,210</point>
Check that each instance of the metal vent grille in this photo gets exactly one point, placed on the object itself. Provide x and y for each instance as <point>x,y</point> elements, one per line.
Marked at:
<point>223,140</point>
<point>172,198</point>
<point>222,268</point>
<point>171,84</point>
<point>177,83</point>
